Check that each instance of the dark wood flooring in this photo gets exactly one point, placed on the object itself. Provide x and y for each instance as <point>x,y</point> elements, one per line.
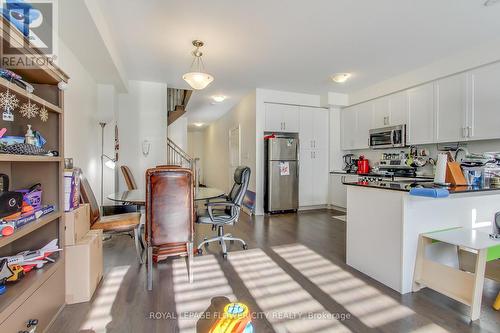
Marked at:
<point>130,304</point>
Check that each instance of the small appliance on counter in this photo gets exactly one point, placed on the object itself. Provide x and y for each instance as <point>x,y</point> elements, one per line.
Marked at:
<point>363,165</point>
<point>350,163</point>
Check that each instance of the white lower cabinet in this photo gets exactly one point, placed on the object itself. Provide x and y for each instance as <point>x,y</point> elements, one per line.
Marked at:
<point>313,177</point>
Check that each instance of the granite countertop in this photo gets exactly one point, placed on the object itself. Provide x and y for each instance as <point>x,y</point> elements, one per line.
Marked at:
<point>406,186</point>
<point>374,174</point>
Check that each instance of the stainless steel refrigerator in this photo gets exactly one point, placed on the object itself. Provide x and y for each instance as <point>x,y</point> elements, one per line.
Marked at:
<point>282,181</point>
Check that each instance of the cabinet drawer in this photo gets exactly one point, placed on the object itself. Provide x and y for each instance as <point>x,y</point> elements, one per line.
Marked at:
<point>42,305</point>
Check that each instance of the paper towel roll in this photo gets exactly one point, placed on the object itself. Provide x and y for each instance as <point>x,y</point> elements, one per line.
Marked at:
<point>440,175</point>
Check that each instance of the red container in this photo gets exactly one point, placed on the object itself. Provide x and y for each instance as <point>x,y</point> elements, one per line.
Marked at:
<point>363,165</point>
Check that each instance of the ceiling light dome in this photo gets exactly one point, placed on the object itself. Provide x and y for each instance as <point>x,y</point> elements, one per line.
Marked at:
<point>197,78</point>
<point>341,77</point>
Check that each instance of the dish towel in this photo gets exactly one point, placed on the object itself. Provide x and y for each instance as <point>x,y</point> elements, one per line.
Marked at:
<point>430,192</point>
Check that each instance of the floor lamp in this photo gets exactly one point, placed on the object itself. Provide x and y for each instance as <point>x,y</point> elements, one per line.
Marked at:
<point>110,163</point>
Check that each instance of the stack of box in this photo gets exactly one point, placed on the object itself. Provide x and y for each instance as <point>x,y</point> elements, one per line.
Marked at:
<point>84,264</point>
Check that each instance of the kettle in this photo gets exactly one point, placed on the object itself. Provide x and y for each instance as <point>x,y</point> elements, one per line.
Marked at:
<point>363,165</point>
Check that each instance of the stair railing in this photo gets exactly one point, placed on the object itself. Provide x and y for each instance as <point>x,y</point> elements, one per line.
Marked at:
<point>177,156</point>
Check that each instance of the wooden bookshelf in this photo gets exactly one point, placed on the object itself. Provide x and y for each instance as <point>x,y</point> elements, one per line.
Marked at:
<point>40,294</point>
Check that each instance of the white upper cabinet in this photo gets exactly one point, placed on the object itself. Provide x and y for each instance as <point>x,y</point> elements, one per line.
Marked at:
<point>313,128</point>
<point>365,124</point>
<point>451,108</point>
<point>356,122</point>
<point>398,105</point>
<point>281,118</point>
<point>421,114</point>
<point>381,112</point>
<point>484,118</point>
<point>348,120</point>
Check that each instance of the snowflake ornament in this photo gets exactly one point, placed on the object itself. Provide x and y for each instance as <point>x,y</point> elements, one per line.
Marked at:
<point>8,101</point>
<point>44,114</point>
<point>29,110</point>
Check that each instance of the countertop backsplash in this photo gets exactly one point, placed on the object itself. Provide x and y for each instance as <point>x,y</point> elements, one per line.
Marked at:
<point>374,156</point>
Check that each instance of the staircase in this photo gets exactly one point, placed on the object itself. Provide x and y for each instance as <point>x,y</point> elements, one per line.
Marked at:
<point>177,156</point>
<point>177,100</point>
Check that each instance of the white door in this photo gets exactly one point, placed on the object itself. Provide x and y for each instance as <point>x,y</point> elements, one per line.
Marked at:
<point>485,110</point>
<point>398,104</point>
<point>451,108</point>
<point>381,112</point>
<point>306,181</point>
<point>320,129</point>
<point>320,177</point>
<point>421,112</point>
<point>291,118</point>
<point>306,133</point>
<point>364,124</point>
<point>274,119</point>
<point>348,128</point>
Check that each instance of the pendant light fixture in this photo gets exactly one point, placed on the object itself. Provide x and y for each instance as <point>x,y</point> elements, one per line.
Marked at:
<point>197,78</point>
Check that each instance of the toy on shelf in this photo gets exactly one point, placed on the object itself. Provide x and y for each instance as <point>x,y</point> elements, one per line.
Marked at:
<point>5,271</point>
<point>6,229</point>
<point>17,79</point>
<point>10,201</point>
<point>37,258</point>
<point>223,316</point>
<point>17,273</point>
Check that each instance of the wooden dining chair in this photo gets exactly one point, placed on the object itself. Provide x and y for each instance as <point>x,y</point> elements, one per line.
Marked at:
<point>169,216</point>
<point>129,177</point>
<point>119,223</point>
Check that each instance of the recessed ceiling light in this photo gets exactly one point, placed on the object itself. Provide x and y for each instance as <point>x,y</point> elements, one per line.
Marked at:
<point>198,124</point>
<point>341,77</point>
<point>219,98</point>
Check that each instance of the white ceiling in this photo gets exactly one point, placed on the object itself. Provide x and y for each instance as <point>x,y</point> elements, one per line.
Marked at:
<point>291,45</point>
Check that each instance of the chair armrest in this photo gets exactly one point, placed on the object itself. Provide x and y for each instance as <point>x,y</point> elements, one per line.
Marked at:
<point>212,205</point>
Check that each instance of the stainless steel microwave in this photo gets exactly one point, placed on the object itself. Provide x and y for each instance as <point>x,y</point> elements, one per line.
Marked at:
<point>388,137</point>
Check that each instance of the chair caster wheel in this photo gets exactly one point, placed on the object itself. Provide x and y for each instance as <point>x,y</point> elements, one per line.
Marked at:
<point>200,252</point>
<point>224,255</point>
<point>245,247</point>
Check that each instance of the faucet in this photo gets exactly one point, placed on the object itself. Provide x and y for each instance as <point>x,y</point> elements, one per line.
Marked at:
<point>459,149</point>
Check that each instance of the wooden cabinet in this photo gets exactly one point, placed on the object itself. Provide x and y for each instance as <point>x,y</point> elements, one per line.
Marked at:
<point>398,106</point>
<point>281,118</point>
<point>484,116</point>
<point>313,134</point>
<point>421,114</point>
<point>451,108</point>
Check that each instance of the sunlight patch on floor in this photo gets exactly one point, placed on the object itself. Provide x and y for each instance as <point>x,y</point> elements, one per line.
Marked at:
<point>192,299</point>
<point>369,305</point>
<point>99,315</point>
<point>286,305</point>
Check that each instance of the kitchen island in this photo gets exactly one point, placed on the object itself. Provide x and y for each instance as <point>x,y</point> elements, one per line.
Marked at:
<point>384,222</point>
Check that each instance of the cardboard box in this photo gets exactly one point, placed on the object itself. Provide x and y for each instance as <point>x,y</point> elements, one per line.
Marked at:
<point>84,267</point>
<point>77,224</point>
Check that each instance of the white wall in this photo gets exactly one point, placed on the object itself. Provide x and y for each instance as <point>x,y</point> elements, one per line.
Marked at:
<point>272,96</point>
<point>217,144</point>
<point>196,149</point>
<point>177,132</point>
<point>81,128</point>
<point>142,115</point>
<point>471,58</point>
<point>107,107</point>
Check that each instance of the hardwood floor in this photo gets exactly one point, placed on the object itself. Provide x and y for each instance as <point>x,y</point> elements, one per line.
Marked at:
<point>122,303</point>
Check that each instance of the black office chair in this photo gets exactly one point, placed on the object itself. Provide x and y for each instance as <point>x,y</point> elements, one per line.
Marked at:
<point>226,212</point>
